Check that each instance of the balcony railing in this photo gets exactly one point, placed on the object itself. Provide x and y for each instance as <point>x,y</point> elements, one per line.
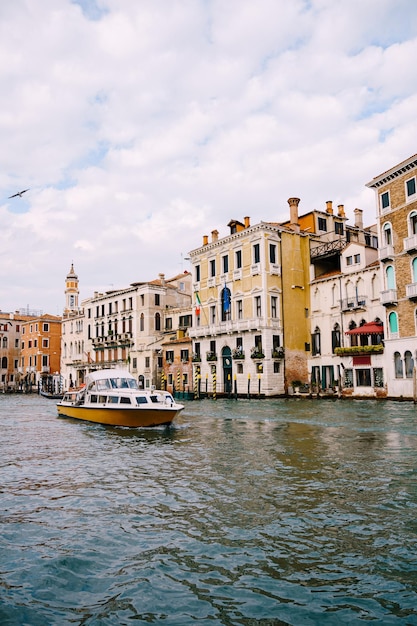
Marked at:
<point>211,356</point>
<point>389,296</point>
<point>238,353</point>
<point>257,353</point>
<point>410,243</point>
<point>386,253</point>
<point>353,303</point>
<point>411,291</point>
<point>278,353</point>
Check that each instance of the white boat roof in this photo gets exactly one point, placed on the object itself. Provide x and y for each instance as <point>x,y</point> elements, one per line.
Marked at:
<point>109,373</point>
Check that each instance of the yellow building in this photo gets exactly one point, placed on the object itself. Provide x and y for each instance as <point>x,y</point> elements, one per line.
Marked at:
<point>246,286</point>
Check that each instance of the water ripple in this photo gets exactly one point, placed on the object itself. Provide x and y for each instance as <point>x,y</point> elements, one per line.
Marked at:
<point>245,512</point>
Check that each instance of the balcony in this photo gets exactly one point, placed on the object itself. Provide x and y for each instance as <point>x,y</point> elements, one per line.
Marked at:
<point>211,282</point>
<point>411,291</point>
<point>275,269</point>
<point>278,353</point>
<point>196,358</point>
<point>257,353</point>
<point>255,269</point>
<point>238,354</point>
<point>353,303</point>
<point>327,249</point>
<point>389,296</point>
<point>211,356</point>
<point>410,243</point>
<point>386,253</point>
<point>360,350</point>
<point>237,274</point>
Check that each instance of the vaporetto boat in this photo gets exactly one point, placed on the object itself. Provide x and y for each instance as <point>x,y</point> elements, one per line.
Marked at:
<point>112,396</point>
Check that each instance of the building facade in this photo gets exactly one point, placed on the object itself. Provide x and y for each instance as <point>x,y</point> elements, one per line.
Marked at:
<point>396,202</point>
<point>246,286</point>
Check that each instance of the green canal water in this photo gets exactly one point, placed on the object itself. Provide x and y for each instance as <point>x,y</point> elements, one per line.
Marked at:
<point>251,512</point>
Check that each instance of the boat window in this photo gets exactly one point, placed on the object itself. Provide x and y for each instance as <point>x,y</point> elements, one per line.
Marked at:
<point>113,399</point>
<point>102,399</point>
<point>141,400</point>
<point>93,399</point>
<point>102,384</point>
<point>124,400</point>
<point>154,399</point>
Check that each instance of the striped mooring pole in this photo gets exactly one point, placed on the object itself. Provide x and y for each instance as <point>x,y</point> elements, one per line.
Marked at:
<point>214,379</point>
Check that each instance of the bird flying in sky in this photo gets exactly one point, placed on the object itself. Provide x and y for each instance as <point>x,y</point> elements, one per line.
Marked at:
<point>19,193</point>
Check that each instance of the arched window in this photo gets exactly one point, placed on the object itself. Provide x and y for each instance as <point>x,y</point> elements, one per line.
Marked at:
<point>4,363</point>
<point>412,223</point>
<point>390,277</point>
<point>4,342</point>
<point>414,270</point>
<point>409,364</point>
<point>157,321</point>
<point>226,304</point>
<point>387,234</point>
<point>336,338</point>
<point>315,342</point>
<point>393,323</point>
<point>142,322</point>
<point>353,338</point>
<point>398,365</point>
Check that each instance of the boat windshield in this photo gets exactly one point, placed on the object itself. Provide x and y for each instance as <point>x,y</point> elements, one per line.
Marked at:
<point>113,383</point>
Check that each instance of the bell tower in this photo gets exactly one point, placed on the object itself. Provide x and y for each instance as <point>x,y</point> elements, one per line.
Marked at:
<point>71,292</point>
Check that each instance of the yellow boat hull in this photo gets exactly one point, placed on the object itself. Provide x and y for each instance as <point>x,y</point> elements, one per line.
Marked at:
<point>133,418</point>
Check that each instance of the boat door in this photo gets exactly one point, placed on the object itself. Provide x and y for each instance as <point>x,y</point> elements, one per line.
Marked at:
<point>227,369</point>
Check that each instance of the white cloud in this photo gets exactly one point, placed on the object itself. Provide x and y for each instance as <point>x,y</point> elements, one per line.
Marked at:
<point>141,125</point>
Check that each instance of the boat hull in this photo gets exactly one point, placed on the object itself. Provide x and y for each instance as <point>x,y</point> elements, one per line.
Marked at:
<point>132,418</point>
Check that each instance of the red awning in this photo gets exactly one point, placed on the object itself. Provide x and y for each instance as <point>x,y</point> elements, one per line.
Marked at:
<point>371,328</point>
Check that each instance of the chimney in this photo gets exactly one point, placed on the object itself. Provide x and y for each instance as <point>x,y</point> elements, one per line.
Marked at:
<point>358,218</point>
<point>341,210</point>
<point>214,235</point>
<point>247,221</point>
<point>205,240</point>
<point>293,202</point>
<point>162,278</point>
<point>329,207</point>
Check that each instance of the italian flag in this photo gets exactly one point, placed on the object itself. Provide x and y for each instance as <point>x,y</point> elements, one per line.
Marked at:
<point>197,304</point>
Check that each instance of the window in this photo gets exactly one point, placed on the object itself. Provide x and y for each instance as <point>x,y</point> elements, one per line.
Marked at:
<point>349,260</point>
<point>390,277</point>
<point>384,200</point>
<point>387,234</point>
<point>157,321</point>
<point>336,337</point>
<point>378,377</point>
<point>226,304</point>
<point>157,299</point>
<point>357,258</point>
<point>141,322</point>
<point>322,224</point>
<point>272,253</point>
<point>197,273</point>
<point>135,363</point>
<point>315,342</point>
<point>393,322</point>
<point>169,356</point>
<point>147,361</point>
<point>184,356</point>
<point>45,360</point>
<point>213,346</point>
<point>225,264</point>
<point>197,350</point>
<point>213,268</point>
<point>45,343</point>
<point>409,364</point>
<point>414,270</point>
<point>258,307</point>
<point>410,186</point>
<point>238,259</point>
<point>274,300</point>
<point>363,378</point>
<point>185,321</point>
<point>239,309</point>
<point>398,365</point>
<point>256,253</point>
<point>46,328</point>
<point>338,228</point>
<point>413,223</point>
<point>168,323</point>
<point>213,314</point>
<point>277,367</point>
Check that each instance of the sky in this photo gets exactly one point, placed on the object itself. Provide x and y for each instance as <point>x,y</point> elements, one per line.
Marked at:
<point>139,126</point>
